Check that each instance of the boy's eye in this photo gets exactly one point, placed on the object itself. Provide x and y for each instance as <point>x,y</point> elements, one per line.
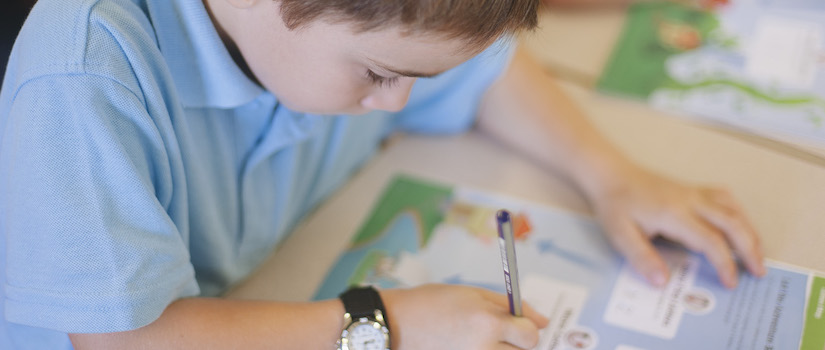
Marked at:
<point>381,80</point>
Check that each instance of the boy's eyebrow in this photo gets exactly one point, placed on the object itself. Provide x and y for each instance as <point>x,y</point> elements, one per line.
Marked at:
<point>405,73</point>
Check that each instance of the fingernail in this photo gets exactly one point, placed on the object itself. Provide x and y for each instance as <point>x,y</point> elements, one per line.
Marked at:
<point>731,280</point>
<point>657,278</point>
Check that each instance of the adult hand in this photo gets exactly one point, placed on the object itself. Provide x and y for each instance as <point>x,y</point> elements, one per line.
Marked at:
<point>438,316</point>
<point>641,205</point>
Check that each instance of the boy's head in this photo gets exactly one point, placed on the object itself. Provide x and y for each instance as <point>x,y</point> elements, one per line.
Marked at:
<point>333,56</point>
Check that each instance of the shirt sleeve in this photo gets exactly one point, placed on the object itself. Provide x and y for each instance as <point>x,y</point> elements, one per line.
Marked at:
<point>448,103</point>
<point>86,180</point>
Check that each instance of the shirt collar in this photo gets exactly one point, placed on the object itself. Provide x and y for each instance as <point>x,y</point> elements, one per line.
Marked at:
<point>203,70</point>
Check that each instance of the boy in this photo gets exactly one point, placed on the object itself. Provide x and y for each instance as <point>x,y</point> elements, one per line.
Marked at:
<point>154,151</point>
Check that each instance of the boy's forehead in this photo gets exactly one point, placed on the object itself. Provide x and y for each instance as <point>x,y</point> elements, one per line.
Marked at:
<point>408,37</point>
<point>394,37</point>
<point>400,50</point>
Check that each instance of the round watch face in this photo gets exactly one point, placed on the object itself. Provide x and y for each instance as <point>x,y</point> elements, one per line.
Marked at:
<point>366,335</point>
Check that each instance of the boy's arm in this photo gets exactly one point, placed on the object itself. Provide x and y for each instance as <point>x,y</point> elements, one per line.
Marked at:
<point>428,317</point>
<point>208,323</point>
<point>526,110</point>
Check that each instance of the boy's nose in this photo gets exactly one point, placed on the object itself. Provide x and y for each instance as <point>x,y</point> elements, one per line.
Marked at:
<point>391,99</point>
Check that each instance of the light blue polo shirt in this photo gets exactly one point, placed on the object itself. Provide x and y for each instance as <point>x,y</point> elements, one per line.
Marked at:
<point>139,165</point>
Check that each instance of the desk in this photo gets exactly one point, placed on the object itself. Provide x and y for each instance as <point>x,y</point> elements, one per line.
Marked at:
<point>783,195</point>
<point>576,44</point>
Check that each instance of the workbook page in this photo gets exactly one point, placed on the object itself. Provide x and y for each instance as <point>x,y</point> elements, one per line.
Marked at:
<point>422,232</point>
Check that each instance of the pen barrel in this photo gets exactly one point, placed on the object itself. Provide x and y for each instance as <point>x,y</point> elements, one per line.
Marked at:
<point>514,293</point>
<point>508,261</point>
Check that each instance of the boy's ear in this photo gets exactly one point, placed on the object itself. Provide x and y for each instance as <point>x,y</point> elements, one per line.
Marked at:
<point>242,4</point>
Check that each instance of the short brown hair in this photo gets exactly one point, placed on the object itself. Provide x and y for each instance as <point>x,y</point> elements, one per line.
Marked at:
<point>478,22</point>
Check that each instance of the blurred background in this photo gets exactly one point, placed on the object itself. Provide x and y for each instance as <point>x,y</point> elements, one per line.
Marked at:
<point>11,19</point>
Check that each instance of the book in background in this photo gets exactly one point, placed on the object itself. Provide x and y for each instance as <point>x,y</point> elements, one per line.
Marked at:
<point>754,65</point>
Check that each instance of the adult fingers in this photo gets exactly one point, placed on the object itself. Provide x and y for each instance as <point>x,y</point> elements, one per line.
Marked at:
<point>634,245</point>
<point>699,235</point>
<point>721,210</point>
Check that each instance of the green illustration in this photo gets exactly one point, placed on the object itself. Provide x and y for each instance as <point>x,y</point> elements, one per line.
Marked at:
<point>741,64</point>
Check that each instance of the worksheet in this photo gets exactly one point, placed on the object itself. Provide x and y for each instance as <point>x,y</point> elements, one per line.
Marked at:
<point>421,232</point>
<point>756,65</point>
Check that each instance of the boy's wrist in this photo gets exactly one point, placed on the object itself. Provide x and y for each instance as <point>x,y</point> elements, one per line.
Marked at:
<point>365,322</point>
<point>390,297</point>
<point>600,172</point>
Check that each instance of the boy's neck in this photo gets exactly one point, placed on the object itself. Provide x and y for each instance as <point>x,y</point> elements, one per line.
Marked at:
<point>230,45</point>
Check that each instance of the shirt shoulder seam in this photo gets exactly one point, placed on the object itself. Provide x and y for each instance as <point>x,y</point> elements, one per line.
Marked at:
<point>69,73</point>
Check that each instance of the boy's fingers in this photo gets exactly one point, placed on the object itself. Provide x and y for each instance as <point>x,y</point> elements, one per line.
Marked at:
<point>496,298</point>
<point>531,314</point>
<point>698,235</point>
<point>634,245</point>
<point>722,197</point>
<point>520,332</point>
<point>746,243</point>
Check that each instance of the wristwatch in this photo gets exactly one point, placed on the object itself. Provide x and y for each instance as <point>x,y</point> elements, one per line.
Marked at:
<point>364,325</point>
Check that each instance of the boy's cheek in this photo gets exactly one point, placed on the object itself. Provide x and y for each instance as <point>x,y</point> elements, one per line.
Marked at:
<point>323,88</point>
<point>322,102</point>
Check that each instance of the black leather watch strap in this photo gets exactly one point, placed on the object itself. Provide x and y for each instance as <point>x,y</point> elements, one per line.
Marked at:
<point>362,302</point>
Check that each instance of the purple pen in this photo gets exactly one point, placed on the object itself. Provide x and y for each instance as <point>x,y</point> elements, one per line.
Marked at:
<point>508,260</point>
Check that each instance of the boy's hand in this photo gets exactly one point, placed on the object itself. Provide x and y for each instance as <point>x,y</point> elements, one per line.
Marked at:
<point>438,316</point>
<point>527,111</point>
<point>642,205</point>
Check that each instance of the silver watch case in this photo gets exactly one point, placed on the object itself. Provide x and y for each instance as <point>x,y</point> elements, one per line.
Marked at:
<point>349,324</point>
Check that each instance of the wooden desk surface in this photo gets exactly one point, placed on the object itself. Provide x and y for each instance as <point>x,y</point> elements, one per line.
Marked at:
<point>575,44</point>
<point>784,196</point>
